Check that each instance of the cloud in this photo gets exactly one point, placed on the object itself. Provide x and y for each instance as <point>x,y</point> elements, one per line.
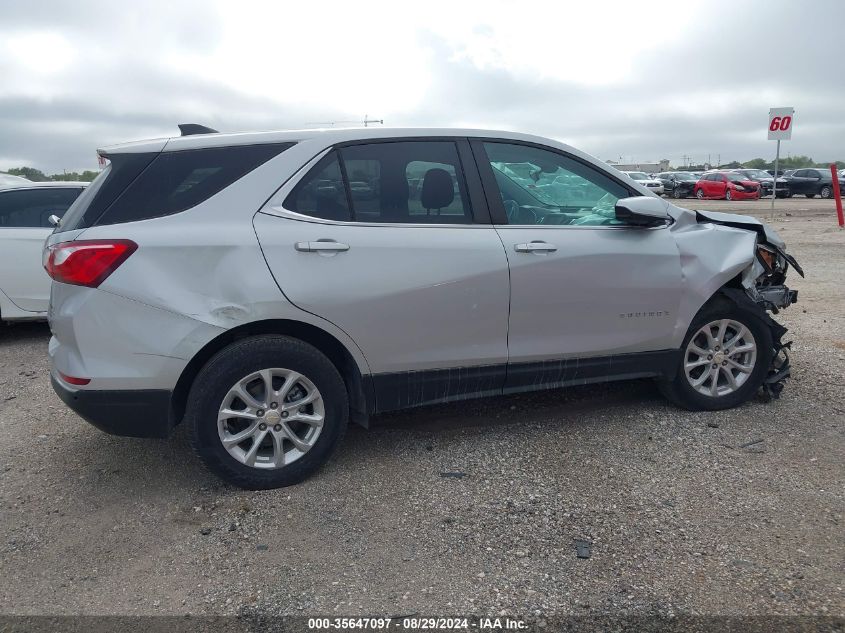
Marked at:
<point>613,78</point>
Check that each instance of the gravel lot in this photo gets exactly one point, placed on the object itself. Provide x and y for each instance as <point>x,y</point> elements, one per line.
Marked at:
<point>737,512</point>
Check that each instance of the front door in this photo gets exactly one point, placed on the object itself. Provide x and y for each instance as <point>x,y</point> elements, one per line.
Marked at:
<point>583,285</point>
<point>381,239</point>
<point>24,226</point>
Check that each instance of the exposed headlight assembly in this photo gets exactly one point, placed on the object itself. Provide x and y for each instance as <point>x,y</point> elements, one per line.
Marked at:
<point>767,257</point>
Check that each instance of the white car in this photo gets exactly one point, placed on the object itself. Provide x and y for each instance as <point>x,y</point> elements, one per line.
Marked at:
<point>8,180</point>
<point>25,211</point>
<point>645,180</point>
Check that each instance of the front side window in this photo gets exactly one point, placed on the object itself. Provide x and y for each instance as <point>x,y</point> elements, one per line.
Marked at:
<point>543,187</point>
<point>32,208</point>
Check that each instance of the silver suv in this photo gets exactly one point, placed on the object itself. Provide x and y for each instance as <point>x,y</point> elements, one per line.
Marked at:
<point>266,288</point>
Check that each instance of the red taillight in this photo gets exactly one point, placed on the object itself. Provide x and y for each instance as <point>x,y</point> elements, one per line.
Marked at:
<point>72,380</point>
<point>86,262</point>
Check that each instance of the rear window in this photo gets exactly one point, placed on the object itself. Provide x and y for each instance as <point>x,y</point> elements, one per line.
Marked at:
<point>143,186</point>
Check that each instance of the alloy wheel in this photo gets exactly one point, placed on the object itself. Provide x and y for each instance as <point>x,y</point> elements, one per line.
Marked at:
<point>720,358</point>
<point>270,418</point>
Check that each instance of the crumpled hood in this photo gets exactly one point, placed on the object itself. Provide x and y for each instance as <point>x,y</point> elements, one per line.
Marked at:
<point>742,222</point>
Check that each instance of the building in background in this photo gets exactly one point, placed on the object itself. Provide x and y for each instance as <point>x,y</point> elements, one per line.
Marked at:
<point>649,168</point>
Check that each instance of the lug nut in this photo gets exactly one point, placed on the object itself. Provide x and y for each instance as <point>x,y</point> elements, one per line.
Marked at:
<point>724,362</point>
<point>260,412</point>
<point>709,356</point>
<point>262,427</point>
<point>277,428</point>
<point>274,405</point>
<point>285,414</point>
<point>717,348</point>
<point>715,365</point>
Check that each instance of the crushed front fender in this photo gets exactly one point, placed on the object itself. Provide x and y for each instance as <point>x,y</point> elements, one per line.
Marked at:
<point>780,368</point>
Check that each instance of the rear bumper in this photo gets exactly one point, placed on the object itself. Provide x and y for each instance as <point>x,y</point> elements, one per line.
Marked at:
<point>133,413</point>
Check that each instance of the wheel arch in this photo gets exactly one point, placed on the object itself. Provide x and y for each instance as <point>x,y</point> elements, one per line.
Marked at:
<point>358,388</point>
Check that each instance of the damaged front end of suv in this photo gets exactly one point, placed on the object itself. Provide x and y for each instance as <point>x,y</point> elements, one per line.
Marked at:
<point>755,280</point>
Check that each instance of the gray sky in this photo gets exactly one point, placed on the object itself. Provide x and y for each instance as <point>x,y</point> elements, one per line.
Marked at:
<point>640,80</point>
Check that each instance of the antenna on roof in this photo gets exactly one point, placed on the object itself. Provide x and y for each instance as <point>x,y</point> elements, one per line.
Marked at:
<point>189,129</point>
<point>366,122</point>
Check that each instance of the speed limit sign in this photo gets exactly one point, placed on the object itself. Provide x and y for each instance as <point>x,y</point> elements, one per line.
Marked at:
<point>780,123</point>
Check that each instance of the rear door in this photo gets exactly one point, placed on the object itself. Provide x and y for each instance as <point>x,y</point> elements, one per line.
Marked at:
<point>24,226</point>
<point>405,261</point>
<point>583,285</point>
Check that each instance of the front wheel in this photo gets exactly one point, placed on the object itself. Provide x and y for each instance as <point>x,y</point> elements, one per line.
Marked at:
<point>267,411</point>
<point>724,359</point>
<point>700,194</point>
<point>728,195</point>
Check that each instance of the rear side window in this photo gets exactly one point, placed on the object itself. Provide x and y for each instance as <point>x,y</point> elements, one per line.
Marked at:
<point>143,186</point>
<point>100,194</point>
<point>32,208</point>
<point>176,181</point>
<point>417,182</point>
<point>321,194</point>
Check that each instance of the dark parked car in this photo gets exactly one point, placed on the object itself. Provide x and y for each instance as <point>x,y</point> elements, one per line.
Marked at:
<point>766,180</point>
<point>813,182</point>
<point>678,184</point>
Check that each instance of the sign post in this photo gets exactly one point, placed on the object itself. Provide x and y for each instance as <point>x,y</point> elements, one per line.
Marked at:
<point>837,194</point>
<point>780,128</point>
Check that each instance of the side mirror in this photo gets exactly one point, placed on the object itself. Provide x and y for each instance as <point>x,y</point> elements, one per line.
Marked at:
<point>642,211</point>
<point>54,219</point>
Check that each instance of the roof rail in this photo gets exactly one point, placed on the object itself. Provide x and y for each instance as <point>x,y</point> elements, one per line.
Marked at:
<point>189,129</point>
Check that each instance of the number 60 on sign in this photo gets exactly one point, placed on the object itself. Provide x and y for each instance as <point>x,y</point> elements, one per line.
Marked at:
<point>780,123</point>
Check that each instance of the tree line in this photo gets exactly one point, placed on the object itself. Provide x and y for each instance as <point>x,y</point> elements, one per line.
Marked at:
<point>36,175</point>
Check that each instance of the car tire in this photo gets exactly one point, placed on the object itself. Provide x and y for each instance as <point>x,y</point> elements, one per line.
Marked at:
<point>244,367</point>
<point>681,390</point>
<point>728,195</point>
<point>676,193</point>
<point>826,192</point>
<point>700,194</point>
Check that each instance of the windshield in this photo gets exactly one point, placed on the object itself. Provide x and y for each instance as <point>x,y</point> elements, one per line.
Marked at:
<point>685,176</point>
<point>638,175</point>
<point>735,175</point>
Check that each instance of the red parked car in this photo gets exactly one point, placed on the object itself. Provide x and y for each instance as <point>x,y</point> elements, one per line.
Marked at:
<point>728,185</point>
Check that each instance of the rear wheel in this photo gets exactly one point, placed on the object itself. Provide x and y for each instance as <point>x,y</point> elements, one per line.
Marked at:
<point>724,359</point>
<point>676,193</point>
<point>267,412</point>
<point>826,192</point>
